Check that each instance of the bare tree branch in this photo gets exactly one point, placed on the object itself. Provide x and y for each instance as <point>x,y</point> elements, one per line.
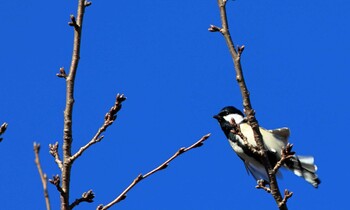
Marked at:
<point>62,73</point>
<point>54,153</point>
<point>287,195</point>
<point>262,185</point>
<point>286,154</point>
<point>56,180</point>
<point>110,117</point>
<point>77,23</point>
<point>3,128</point>
<point>250,113</point>
<point>43,176</point>
<point>62,182</point>
<point>85,197</point>
<point>162,166</point>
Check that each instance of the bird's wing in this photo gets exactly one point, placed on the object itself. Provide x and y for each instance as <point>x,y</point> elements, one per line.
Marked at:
<point>282,132</point>
<point>258,172</point>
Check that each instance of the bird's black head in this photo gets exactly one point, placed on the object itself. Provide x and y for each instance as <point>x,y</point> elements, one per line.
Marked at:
<point>227,111</point>
<point>225,116</point>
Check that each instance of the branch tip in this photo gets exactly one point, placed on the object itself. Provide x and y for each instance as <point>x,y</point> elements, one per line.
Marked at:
<point>262,185</point>
<point>121,97</point>
<point>36,147</point>
<point>73,21</point>
<point>286,154</point>
<point>240,49</point>
<point>3,128</point>
<point>85,197</point>
<point>205,137</point>
<point>287,195</point>
<point>62,73</point>
<point>56,180</point>
<point>89,196</point>
<point>53,149</point>
<point>87,3</point>
<point>214,28</point>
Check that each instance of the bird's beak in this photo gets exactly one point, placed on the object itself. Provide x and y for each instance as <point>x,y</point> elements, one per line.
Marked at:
<point>218,117</point>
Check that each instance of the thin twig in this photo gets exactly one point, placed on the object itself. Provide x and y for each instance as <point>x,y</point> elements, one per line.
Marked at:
<point>287,195</point>
<point>262,185</point>
<point>43,176</point>
<point>250,113</point>
<point>162,166</point>
<point>286,154</point>
<point>110,117</point>
<point>85,197</point>
<point>54,153</point>
<point>56,180</point>
<point>62,73</point>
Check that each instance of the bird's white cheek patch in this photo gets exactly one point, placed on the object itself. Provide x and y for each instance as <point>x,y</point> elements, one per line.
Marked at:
<point>236,117</point>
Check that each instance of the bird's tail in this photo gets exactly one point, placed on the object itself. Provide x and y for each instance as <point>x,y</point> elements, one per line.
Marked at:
<point>304,166</point>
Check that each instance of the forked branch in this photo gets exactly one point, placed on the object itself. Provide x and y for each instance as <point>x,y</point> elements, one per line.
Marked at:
<point>250,113</point>
<point>287,195</point>
<point>162,166</point>
<point>286,154</point>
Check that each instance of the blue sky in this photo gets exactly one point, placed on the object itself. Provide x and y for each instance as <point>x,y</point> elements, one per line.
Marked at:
<point>176,76</point>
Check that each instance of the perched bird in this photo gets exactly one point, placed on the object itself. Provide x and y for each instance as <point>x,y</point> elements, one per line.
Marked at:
<point>274,141</point>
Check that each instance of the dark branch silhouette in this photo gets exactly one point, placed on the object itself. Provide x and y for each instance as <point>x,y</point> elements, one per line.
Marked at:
<point>249,111</point>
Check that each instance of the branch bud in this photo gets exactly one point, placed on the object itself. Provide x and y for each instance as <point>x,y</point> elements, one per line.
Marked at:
<point>213,28</point>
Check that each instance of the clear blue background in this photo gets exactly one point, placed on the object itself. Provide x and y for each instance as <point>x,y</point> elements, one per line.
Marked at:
<point>176,76</point>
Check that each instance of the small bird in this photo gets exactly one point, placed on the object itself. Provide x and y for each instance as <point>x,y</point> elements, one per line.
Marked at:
<point>274,141</point>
